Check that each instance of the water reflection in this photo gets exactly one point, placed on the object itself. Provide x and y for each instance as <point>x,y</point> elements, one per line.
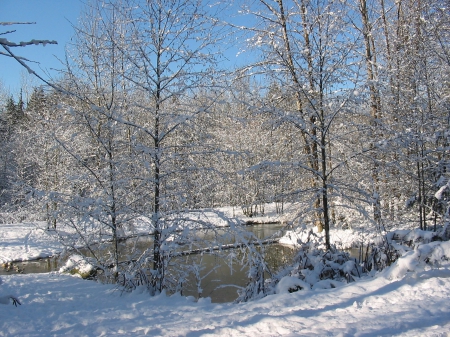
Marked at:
<point>222,276</point>
<point>31,267</point>
<point>218,277</point>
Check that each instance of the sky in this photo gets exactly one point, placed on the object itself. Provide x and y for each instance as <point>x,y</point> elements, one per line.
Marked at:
<point>54,19</point>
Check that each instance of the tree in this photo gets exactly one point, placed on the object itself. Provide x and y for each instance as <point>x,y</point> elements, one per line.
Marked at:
<point>15,168</point>
<point>407,66</point>
<point>132,133</point>
<point>375,108</point>
<point>309,50</point>
<point>5,141</point>
<point>172,50</point>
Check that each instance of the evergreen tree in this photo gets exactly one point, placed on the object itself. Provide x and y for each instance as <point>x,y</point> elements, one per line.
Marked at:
<point>37,101</point>
<point>14,112</point>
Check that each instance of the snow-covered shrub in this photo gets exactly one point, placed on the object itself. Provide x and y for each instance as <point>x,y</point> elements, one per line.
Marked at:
<point>256,286</point>
<point>290,284</point>
<point>299,236</point>
<point>378,257</point>
<point>340,238</point>
<point>413,237</point>
<point>177,276</point>
<point>137,278</point>
<point>433,254</point>
<point>314,268</point>
<point>388,248</point>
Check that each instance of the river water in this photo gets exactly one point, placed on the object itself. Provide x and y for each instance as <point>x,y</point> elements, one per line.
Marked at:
<point>215,278</point>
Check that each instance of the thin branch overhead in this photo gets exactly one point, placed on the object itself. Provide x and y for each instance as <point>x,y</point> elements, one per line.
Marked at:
<point>16,23</point>
<point>6,42</point>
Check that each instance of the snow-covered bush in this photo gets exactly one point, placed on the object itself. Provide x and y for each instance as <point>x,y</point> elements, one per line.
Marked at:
<point>429,255</point>
<point>390,247</point>
<point>402,251</point>
<point>312,268</point>
<point>317,268</point>
<point>378,257</point>
<point>340,238</point>
<point>290,284</point>
<point>413,237</point>
<point>256,285</point>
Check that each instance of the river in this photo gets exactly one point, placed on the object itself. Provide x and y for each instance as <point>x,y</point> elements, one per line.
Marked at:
<point>218,280</point>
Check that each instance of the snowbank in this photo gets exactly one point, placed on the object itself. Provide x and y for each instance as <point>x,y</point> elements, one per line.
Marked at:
<point>58,305</point>
<point>434,254</point>
<point>341,238</point>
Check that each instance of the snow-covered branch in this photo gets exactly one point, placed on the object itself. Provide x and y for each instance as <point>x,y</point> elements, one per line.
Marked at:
<point>16,23</point>
<point>6,42</point>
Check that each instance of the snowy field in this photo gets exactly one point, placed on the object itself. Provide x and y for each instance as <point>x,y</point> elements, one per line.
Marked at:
<point>408,299</point>
<point>57,305</point>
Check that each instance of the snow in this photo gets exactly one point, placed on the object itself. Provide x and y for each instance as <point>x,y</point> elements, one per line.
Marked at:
<point>422,257</point>
<point>341,238</point>
<point>26,241</point>
<point>78,262</point>
<point>409,298</point>
<point>441,191</point>
<point>289,284</point>
<point>55,305</point>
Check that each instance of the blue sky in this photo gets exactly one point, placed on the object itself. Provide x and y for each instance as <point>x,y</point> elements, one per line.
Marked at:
<point>53,22</point>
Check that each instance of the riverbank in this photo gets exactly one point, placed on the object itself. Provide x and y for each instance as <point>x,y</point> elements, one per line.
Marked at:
<point>31,241</point>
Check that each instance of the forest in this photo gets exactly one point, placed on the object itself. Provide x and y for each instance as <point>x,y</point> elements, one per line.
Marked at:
<point>339,107</point>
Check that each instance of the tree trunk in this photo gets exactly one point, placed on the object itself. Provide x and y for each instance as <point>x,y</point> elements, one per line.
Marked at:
<point>374,107</point>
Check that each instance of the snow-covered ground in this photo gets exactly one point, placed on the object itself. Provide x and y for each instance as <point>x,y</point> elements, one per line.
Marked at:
<point>410,298</point>
<point>56,305</point>
<point>26,241</point>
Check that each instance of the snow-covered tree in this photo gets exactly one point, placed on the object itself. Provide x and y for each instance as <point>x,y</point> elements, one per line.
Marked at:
<point>172,51</point>
<point>308,50</point>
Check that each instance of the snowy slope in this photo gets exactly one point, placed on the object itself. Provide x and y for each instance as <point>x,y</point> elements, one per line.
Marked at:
<point>408,299</point>
<point>56,305</point>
